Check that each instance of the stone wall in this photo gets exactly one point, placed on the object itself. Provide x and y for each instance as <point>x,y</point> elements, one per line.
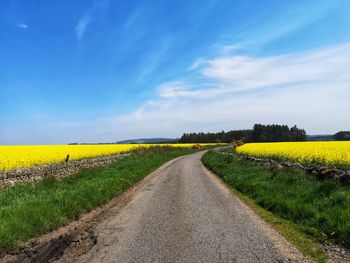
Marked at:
<point>320,172</point>
<point>57,170</point>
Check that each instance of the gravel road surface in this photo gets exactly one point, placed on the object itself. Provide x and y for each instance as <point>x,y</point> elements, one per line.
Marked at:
<point>185,214</point>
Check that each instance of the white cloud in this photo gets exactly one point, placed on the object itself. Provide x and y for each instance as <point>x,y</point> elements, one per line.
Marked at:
<point>174,89</point>
<point>249,72</point>
<point>310,89</point>
<point>21,25</point>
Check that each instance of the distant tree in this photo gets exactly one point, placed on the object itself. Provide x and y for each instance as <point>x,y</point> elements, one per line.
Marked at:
<point>277,133</point>
<point>225,137</point>
<point>342,136</point>
<point>259,133</point>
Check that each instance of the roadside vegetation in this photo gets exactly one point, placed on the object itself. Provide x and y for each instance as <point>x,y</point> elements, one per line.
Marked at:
<point>29,210</point>
<point>320,209</point>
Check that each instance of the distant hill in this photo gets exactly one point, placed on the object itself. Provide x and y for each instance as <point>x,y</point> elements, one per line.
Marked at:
<point>320,137</point>
<point>148,140</point>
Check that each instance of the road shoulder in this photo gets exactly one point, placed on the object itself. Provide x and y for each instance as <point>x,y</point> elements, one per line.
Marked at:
<point>285,248</point>
<point>78,236</point>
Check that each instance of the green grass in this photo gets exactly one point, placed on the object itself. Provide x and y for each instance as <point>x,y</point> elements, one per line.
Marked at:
<point>320,209</point>
<point>29,210</point>
<point>288,229</point>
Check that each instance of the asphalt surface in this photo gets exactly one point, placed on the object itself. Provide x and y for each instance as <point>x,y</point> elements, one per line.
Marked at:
<point>183,215</point>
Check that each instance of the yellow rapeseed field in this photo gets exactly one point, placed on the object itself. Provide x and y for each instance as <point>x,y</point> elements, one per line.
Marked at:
<point>328,153</point>
<point>27,156</point>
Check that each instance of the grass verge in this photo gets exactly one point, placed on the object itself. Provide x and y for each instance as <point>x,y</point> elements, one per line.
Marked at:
<point>29,210</point>
<point>304,210</point>
<point>305,244</point>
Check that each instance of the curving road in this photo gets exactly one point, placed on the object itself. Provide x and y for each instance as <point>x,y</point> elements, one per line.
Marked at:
<point>184,214</point>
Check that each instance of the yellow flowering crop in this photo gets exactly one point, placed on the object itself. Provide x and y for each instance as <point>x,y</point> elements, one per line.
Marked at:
<point>329,153</point>
<point>27,156</point>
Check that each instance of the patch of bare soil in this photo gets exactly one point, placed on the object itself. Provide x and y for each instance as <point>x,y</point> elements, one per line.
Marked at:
<point>337,254</point>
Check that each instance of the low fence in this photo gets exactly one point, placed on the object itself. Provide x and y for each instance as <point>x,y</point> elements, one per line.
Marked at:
<point>57,170</point>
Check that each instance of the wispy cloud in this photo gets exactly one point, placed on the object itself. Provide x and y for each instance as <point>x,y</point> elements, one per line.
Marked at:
<point>243,72</point>
<point>174,89</point>
<point>199,62</point>
<point>97,9</point>
<point>310,89</point>
<point>82,26</point>
<point>154,59</point>
<point>21,25</point>
<point>254,37</point>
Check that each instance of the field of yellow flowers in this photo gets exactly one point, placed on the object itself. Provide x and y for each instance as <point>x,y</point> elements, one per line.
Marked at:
<point>26,156</point>
<point>327,153</point>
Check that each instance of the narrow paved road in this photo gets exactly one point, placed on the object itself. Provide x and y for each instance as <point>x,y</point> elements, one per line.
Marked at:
<point>183,215</point>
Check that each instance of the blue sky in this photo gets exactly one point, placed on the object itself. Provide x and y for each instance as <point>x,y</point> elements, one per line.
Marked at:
<point>101,71</point>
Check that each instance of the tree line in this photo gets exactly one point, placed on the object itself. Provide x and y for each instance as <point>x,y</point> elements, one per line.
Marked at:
<point>259,133</point>
<point>342,136</point>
